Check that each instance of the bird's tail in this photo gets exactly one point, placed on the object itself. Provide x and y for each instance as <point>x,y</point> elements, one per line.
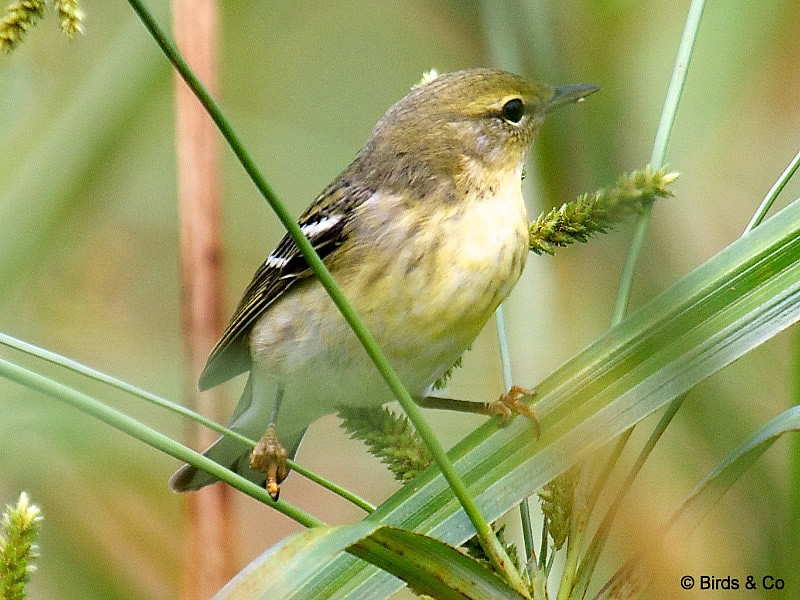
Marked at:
<point>229,452</point>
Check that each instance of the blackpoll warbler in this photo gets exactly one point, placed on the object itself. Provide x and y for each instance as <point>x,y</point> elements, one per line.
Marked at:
<point>425,232</point>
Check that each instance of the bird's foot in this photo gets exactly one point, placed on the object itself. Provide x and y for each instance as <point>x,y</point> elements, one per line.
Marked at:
<point>269,457</point>
<point>511,403</point>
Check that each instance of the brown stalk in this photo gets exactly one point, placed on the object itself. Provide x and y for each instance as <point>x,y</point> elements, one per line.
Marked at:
<point>209,552</point>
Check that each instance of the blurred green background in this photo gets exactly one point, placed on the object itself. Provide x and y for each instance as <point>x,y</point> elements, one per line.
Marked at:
<point>89,268</point>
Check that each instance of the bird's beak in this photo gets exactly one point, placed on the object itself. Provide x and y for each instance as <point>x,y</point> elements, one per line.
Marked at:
<point>566,94</point>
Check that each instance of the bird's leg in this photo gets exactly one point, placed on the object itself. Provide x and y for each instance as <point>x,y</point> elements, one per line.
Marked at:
<point>512,402</point>
<point>507,405</point>
<point>268,456</point>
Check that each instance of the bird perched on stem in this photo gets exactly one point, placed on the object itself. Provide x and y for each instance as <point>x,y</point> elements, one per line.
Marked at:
<point>425,233</point>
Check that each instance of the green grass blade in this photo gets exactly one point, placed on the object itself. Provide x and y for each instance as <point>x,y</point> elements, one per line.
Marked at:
<point>432,567</point>
<point>149,436</point>
<point>793,556</point>
<point>773,193</point>
<point>702,499</point>
<point>284,570</point>
<point>663,133</point>
<point>428,565</point>
<point>708,492</point>
<point>743,296</point>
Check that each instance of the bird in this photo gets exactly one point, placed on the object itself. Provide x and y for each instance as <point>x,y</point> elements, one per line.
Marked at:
<point>425,233</point>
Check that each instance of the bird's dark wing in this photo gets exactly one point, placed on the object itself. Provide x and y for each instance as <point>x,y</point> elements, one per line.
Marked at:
<point>325,225</point>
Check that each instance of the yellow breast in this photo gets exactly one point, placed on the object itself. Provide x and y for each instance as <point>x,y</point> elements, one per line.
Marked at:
<point>438,268</point>
<point>424,277</point>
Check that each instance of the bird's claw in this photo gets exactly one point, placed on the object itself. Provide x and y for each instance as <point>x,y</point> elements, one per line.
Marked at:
<point>510,403</point>
<point>269,457</point>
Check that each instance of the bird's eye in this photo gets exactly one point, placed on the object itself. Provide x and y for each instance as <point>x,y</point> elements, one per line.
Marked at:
<point>513,110</point>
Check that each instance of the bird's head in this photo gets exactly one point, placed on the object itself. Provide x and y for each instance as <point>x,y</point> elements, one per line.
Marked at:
<point>475,118</point>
